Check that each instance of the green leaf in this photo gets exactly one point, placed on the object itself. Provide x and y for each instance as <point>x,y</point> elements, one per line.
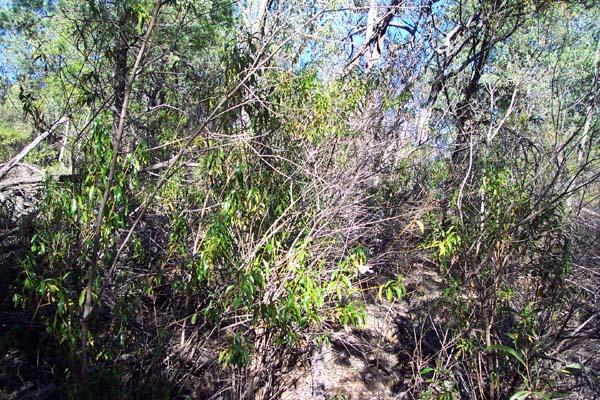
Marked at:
<point>520,395</point>
<point>380,292</point>
<point>574,368</point>
<point>526,394</point>
<point>73,206</point>
<point>81,297</point>
<point>509,351</point>
<point>118,194</point>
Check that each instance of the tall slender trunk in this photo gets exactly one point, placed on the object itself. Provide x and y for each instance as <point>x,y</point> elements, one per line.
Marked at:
<point>118,128</point>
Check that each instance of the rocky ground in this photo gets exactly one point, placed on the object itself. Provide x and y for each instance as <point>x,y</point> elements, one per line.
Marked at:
<point>370,362</point>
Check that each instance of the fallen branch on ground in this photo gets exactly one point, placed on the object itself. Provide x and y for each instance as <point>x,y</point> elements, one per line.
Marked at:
<point>16,159</point>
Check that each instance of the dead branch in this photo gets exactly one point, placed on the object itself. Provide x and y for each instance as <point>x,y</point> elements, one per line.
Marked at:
<point>16,159</point>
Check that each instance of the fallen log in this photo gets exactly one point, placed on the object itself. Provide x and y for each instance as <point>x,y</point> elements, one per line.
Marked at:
<point>16,159</point>
<point>9,184</point>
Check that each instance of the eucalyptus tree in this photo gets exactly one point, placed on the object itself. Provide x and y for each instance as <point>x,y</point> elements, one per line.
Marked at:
<point>239,167</point>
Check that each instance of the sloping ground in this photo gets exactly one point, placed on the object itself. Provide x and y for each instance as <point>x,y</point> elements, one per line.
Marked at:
<point>19,193</point>
<point>19,374</point>
<point>371,362</point>
<point>384,359</point>
<point>18,190</point>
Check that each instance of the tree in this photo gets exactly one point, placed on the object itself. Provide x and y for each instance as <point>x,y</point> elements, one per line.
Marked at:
<point>248,178</point>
